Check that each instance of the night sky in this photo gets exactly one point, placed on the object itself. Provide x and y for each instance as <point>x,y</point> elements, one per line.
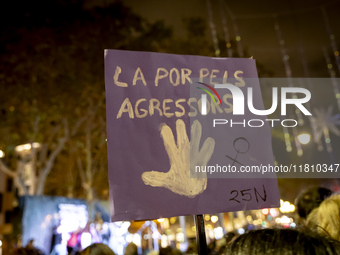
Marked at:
<point>302,25</point>
<point>301,22</point>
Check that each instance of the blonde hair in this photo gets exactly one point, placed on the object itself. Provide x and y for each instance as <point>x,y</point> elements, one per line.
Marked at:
<point>326,218</point>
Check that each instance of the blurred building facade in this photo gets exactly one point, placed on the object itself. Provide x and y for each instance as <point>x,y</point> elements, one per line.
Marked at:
<point>7,199</point>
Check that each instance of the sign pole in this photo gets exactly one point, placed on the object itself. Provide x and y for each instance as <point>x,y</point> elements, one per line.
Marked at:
<point>200,235</point>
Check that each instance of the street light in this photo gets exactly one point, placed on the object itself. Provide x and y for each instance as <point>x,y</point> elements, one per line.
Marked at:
<point>2,154</point>
<point>286,207</point>
<point>27,147</point>
<point>214,219</point>
<point>304,138</point>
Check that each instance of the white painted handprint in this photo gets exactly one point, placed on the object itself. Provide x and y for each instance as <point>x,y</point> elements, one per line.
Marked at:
<point>182,156</point>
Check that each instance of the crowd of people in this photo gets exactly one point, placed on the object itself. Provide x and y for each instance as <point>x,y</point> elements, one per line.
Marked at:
<point>318,233</point>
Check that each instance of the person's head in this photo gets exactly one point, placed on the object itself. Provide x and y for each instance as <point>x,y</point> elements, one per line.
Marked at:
<point>229,236</point>
<point>19,251</point>
<point>131,249</point>
<point>192,249</point>
<point>310,199</point>
<point>97,249</point>
<point>326,218</point>
<point>282,242</point>
<point>169,251</point>
<point>30,244</point>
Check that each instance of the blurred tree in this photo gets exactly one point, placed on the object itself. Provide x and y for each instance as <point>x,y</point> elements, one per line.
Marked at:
<point>52,85</point>
<point>195,42</point>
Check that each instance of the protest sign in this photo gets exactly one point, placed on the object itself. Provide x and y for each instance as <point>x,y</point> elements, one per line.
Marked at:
<point>156,134</point>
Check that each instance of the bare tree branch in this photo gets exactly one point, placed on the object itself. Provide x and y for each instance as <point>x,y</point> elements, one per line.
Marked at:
<point>43,154</point>
<point>54,131</point>
<point>14,175</point>
<point>77,125</point>
<point>66,129</point>
<point>89,161</point>
<point>82,174</point>
<point>36,126</point>
<point>6,170</point>
<point>61,143</point>
<point>48,166</point>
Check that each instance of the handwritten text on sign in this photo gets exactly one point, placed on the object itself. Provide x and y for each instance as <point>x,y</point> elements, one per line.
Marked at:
<point>175,77</point>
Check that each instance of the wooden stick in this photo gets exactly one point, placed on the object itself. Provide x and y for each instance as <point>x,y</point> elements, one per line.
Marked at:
<point>200,235</point>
